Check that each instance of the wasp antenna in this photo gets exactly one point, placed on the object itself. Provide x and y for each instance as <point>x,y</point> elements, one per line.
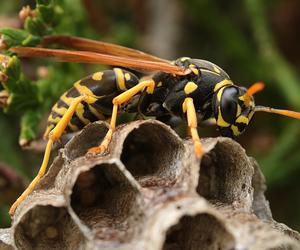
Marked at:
<point>283,112</point>
<point>254,88</point>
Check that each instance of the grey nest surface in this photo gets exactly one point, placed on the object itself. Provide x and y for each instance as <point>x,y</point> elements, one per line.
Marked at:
<point>151,193</point>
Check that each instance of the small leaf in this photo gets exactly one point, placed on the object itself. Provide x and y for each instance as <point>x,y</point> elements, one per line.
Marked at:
<point>16,37</point>
<point>29,124</point>
<point>13,37</point>
<point>22,93</point>
<point>13,71</point>
<point>35,26</point>
<point>31,40</point>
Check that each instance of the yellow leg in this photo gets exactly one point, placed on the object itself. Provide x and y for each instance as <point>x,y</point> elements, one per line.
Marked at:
<point>189,108</point>
<point>54,135</point>
<point>117,101</point>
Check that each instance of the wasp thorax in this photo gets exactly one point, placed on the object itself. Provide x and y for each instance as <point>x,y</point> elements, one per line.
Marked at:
<point>233,110</point>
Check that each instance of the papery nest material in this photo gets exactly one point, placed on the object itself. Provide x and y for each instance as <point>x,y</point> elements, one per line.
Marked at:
<point>149,193</point>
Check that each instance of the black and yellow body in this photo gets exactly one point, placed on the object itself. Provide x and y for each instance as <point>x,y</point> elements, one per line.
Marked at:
<point>213,93</point>
<point>101,88</point>
<point>204,80</point>
<point>193,89</point>
<point>206,85</point>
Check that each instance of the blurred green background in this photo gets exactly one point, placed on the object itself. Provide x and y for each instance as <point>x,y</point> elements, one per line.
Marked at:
<point>253,40</point>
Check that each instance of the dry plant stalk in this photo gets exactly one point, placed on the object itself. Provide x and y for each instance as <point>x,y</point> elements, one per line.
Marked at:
<point>149,193</point>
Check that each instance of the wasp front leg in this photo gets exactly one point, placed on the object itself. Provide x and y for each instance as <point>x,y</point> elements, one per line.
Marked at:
<point>117,102</point>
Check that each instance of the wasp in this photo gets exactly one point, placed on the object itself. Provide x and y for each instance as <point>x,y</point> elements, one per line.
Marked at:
<point>193,89</point>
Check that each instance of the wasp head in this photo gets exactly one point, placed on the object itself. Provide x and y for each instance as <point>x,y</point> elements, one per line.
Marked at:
<point>234,108</point>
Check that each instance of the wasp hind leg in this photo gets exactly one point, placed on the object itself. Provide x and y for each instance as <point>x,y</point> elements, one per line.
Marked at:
<point>117,101</point>
<point>54,135</point>
<point>189,108</point>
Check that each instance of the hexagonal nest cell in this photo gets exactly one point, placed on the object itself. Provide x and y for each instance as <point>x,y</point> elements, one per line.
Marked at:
<point>152,154</point>
<point>45,226</point>
<point>226,173</point>
<point>106,202</point>
<point>149,192</point>
<point>200,232</point>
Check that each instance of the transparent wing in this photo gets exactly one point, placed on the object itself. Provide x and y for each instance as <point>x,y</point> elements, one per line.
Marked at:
<point>84,44</point>
<point>99,58</point>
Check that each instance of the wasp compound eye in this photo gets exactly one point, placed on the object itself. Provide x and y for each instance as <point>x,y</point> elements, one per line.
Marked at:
<point>228,104</point>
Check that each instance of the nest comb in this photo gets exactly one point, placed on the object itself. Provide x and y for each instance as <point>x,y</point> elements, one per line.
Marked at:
<point>149,193</point>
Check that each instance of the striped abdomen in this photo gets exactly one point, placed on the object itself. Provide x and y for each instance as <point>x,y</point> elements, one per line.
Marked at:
<point>101,87</point>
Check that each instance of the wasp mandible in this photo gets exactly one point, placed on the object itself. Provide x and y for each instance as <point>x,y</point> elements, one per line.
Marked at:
<point>193,89</point>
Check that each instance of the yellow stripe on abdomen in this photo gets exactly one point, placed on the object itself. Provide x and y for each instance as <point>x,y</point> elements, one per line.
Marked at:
<point>65,99</point>
<point>59,110</point>
<point>83,90</point>
<point>80,112</point>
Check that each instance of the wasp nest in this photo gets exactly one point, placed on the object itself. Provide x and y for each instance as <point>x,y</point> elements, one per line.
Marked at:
<point>150,192</point>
